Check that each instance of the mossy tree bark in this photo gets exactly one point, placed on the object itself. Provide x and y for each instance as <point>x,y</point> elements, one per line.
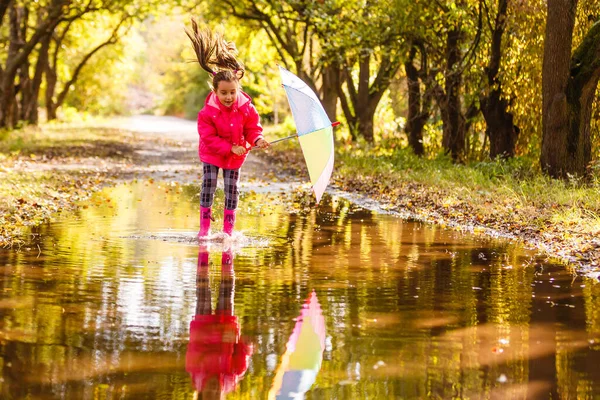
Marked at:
<point>569,85</point>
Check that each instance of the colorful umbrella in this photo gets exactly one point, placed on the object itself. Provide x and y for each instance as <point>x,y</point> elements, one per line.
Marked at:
<point>303,355</point>
<point>314,130</point>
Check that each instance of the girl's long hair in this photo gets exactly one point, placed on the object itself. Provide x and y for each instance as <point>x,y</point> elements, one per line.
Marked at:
<point>215,55</point>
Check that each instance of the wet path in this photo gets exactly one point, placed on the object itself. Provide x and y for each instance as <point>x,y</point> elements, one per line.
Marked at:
<point>118,302</point>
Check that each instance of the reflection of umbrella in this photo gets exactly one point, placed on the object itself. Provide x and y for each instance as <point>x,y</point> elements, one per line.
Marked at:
<point>303,355</point>
<point>314,128</point>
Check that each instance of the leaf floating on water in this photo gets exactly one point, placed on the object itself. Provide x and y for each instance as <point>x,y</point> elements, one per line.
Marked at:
<point>378,364</point>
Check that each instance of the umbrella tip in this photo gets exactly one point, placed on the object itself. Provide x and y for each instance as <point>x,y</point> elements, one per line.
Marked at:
<point>336,123</point>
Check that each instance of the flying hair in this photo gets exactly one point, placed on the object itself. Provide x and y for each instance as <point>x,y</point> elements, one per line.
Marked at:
<point>215,55</point>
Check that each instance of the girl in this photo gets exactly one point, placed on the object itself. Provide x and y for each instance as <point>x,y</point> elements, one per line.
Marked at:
<point>218,355</point>
<point>228,125</point>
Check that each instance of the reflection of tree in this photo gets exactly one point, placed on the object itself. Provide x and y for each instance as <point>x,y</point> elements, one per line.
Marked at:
<point>412,311</point>
<point>575,347</point>
<point>442,285</point>
<point>217,356</point>
<point>83,303</point>
<point>591,294</point>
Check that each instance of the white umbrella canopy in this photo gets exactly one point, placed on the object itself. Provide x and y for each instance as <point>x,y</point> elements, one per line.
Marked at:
<point>301,362</point>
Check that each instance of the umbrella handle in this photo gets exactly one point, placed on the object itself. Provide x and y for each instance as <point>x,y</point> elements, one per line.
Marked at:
<point>277,140</point>
<point>282,139</point>
<point>334,124</point>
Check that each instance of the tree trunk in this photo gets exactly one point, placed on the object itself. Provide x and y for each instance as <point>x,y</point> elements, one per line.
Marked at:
<point>351,119</point>
<point>500,128</point>
<point>365,118</point>
<point>17,55</point>
<point>360,103</point>
<point>4,4</point>
<point>449,100</point>
<point>32,114</point>
<point>418,107</point>
<point>25,91</point>
<point>52,74</point>
<point>25,83</point>
<point>414,124</point>
<point>8,95</point>
<point>567,88</point>
<point>50,67</point>
<point>51,80</point>
<point>363,112</point>
<point>581,89</point>
<point>453,135</point>
<point>331,81</point>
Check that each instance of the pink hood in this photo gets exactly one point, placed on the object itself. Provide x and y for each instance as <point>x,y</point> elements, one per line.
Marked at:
<point>222,127</point>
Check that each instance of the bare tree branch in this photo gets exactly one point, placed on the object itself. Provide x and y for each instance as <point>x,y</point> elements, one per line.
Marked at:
<point>114,38</point>
<point>4,4</point>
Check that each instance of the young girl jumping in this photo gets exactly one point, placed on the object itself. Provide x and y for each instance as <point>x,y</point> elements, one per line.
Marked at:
<point>228,125</point>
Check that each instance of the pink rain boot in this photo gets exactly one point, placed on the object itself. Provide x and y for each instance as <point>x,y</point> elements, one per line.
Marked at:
<point>202,256</point>
<point>227,259</point>
<point>205,218</point>
<point>226,266</point>
<point>228,221</point>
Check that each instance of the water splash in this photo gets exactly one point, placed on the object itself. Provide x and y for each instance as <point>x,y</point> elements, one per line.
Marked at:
<point>218,241</point>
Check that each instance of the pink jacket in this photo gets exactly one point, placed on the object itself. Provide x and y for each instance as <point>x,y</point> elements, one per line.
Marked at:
<point>222,127</point>
<point>217,350</point>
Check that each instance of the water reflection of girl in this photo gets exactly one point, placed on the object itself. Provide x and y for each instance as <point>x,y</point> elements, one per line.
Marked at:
<point>217,356</point>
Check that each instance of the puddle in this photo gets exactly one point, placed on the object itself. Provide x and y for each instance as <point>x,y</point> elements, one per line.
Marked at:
<point>336,302</point>
<point>217,241</point>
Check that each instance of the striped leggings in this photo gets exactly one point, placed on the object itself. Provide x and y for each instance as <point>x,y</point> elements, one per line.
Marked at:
<point>209,185</point>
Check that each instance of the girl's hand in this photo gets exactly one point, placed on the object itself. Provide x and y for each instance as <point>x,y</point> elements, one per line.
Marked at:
<point>238,150</point>
<point>262,143</point>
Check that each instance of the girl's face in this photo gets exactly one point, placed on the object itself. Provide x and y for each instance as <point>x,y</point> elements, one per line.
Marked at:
<point>227,92</point>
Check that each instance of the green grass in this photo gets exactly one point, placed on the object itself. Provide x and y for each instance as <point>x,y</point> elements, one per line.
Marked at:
<point>510,195</point>
<point>516,178</point>
<point>31,194</point>
<point>514,184</point>
<point>65,141</point>
<point>519,178</point>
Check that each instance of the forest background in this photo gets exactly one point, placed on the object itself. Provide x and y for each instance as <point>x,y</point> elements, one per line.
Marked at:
<point>461,104</point>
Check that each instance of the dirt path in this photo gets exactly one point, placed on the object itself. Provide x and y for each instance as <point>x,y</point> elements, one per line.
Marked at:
<point>165,149</point>
<point>170,151</point>
<point>61,166</point>
<point>148,147</point>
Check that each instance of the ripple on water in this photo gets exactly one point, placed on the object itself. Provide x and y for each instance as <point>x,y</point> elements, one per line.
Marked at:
<point>406,306</point>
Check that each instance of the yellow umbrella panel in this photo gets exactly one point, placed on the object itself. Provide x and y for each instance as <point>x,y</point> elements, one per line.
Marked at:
<point>303,355</point>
